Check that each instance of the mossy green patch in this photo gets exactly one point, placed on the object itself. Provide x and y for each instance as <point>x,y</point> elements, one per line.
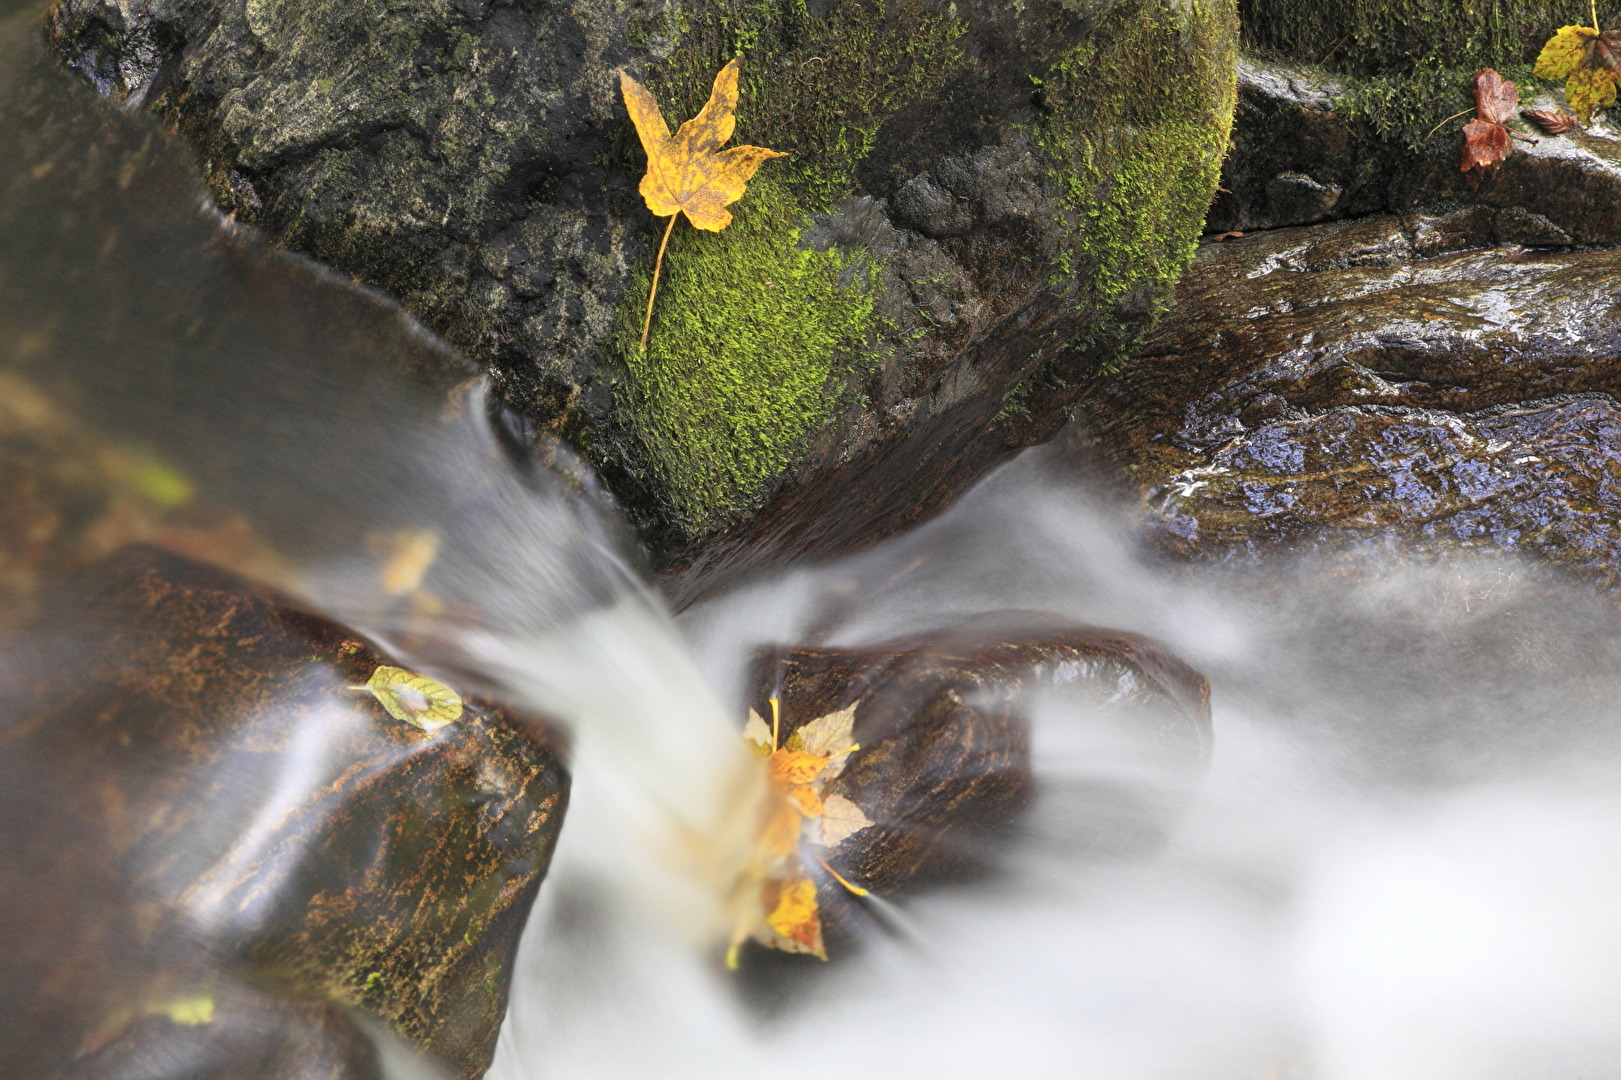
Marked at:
<point>818,88</point>
<point>1395,37</point>
<point>749,329</point>
<point>756,338</point>
<point>1138,117</point>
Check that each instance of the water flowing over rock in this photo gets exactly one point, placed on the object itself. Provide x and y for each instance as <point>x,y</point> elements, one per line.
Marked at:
<point>1420,381</point>
<point>239,842</point>
<point>943,721</point>
<point>983,203</point>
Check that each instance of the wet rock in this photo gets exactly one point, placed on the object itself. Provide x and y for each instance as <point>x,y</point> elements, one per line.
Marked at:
<point>238,840</point>
<point>943,719</point>
<point>1368,383</point>
<point>983,203</point>
<point>1306,147</point>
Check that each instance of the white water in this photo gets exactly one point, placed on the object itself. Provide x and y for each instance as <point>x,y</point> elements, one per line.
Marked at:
<point>1403,863</point>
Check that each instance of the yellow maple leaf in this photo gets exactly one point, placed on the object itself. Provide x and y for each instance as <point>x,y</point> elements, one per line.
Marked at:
<point>688,173</point>
<point>1589,60</point>
<point>781,911</point>
<point>794,916</point>
<point>416,699</point>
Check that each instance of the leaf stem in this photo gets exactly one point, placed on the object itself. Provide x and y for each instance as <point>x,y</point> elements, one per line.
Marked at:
<point>658,264</point>
<point>1454,116</point>
<point>1592,9</point>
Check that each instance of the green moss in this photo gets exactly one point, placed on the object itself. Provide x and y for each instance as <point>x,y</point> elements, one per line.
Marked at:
<point>749,331</point>
<point>739,373</point>
<point>1394,37</point>
<point>1138,118</point>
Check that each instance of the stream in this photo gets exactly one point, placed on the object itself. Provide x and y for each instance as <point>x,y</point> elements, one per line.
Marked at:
<point>1401,863</point>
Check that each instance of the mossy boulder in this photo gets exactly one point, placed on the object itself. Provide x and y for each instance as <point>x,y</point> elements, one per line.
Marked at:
<point>244,853</point>
<point>983,205</point>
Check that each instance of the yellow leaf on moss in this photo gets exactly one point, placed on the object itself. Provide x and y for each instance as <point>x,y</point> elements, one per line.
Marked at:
<point>689,173</point>
<point>416,699</point>
<point>1565,52</point>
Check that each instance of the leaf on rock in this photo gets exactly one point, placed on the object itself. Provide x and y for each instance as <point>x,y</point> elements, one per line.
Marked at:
<point>1485,139</point>
<point>778,900</point>
<point>416,699</point>
<point>841,819</point>
<point>1495,97</point>
<point>1554,123</point>
<point>1565,52</point>
<point>689,173</point>
<point>1588,91</point>
<point>1590,63</point>
<point>794,917</point>
<point>758,734</point>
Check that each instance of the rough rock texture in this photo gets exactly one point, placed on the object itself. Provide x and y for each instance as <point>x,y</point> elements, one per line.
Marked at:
<point>1389,381</point>
<point>250,838</point>
<point>943,722</point>
<point>1306,149</point>
<point>984,203</point>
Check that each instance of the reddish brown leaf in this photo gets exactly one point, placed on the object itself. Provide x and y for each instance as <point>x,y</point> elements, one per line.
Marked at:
<point>1484,147</point>
<point>1495,97</point>
<point>1554,123</point>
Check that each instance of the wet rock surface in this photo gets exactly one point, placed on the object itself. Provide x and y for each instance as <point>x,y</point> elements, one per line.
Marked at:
<point>950,268</point>
<point>1302,153</point>
<point>1387,381</point>
<point>943,719</point>
<point>240,846</point>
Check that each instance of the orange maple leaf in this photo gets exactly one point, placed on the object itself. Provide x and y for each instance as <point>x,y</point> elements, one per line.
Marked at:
<point>780,908</point>
<point>688,173</point>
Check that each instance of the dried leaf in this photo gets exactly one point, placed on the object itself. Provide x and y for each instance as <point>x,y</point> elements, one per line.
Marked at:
<point>1484,146</point>
<point>1485,139</point>
<point>416,699</point>
<point>689,173</point>
<point>1588,91</point>
<point>407,556</point>
<point>1495,97</point>
<point>841,819</point>
<point>794,919</point>
<point>1590,63</point>
<point>1565,52</point>
<point>1554,123</point>
<point>758,734</point>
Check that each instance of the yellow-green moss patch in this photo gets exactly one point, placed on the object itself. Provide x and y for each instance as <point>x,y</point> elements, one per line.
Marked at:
<point>748,330</point>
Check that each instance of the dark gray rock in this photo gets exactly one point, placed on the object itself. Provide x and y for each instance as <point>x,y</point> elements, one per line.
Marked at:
<point>473,159</point>
<point>1304,150</point>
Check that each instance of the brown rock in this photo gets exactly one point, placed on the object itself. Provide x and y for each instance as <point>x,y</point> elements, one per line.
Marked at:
<point>246,831</point>
<point>943,721</point>
<point>1378,382</point>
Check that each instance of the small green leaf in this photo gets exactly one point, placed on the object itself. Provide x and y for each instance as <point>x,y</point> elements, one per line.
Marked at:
<point>427,703</point>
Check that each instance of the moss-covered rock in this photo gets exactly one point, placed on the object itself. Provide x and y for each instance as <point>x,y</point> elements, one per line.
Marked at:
<point>983,205</point>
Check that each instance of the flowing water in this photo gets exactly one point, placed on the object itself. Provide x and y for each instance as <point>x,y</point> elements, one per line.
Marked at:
<point>1402,862</point>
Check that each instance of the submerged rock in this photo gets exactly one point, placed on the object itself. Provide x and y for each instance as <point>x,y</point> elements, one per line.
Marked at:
<point>943,720</point>
<point>1387,381</point>
<point>983,203</point>
<point>241,839</point>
